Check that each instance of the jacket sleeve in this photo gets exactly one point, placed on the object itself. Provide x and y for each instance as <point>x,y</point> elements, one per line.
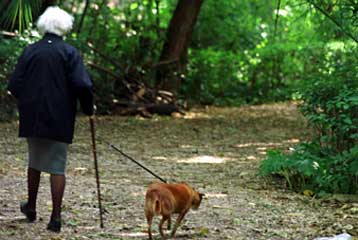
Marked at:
<point>17,77</point>
<point>81,83</point>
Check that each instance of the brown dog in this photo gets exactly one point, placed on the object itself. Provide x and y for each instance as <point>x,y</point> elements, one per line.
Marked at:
<point>165,199</point>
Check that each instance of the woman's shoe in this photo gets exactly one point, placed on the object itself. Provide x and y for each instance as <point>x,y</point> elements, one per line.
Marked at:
<point>30,214</point>
<point>54,225</point>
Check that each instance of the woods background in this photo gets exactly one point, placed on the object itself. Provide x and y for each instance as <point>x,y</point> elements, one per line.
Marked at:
<point>156,56</point>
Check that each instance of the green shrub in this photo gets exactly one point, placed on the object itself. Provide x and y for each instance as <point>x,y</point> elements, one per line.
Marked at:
<point>215,77</point>
<point>333,114</point>
<point>331,102</point>
<point>329,163</point>
<point>310,167</point>
<point>10,50</point>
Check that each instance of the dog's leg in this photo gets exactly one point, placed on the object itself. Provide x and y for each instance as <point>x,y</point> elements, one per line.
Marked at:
<point>165,218</point>
<point>149,220</point>
<point>169,222</point>
<point>178,221</point>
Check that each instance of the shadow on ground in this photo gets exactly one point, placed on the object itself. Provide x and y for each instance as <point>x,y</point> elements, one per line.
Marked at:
<point>217,150</point>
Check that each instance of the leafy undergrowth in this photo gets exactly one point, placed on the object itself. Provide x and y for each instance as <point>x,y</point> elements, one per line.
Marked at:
<point>217,150</point>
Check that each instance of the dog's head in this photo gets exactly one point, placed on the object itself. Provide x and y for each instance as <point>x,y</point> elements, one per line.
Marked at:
<point>197,200</point>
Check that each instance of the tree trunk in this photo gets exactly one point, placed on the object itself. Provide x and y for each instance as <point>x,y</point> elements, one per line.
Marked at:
<point>94,21</point>
<point>83,17</point>
<point>157,19</point>
<point>176,45</point>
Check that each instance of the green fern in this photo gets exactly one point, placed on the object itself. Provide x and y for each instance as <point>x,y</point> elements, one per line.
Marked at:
<point>19,13</point>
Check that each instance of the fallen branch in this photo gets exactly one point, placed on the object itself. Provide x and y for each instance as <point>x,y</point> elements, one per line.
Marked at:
<point>103,69</point>
<point>8,34</point>
<point>111,73</point>
<point>104,56</point>
<point>146,109</point>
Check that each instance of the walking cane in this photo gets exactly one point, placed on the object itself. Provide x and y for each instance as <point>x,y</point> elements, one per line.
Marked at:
<point>96,168</point>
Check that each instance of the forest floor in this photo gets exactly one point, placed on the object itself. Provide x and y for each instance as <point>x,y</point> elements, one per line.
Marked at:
<point>216,150</point>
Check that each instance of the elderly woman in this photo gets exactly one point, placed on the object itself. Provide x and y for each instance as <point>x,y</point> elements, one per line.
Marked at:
<point>48,79</point>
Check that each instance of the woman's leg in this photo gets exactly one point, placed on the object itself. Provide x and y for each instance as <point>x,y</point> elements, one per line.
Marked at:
<point>29,208</point>
<point>33,181</point>
<point>58,183</point>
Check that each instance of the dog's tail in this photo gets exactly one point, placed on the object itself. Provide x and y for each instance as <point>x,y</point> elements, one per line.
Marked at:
<point>153,202</point>
<point>157,206</point>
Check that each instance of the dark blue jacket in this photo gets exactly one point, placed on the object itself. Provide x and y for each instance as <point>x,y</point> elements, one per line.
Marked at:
<point>48,79</point>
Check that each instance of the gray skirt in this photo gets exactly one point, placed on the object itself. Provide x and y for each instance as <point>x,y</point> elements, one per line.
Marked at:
<point>47,155</point>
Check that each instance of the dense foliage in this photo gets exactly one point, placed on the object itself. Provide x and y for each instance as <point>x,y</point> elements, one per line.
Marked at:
<point>328,163</point>
<point>10,49</point>
<point>245,53</point>
<point>241,52</point>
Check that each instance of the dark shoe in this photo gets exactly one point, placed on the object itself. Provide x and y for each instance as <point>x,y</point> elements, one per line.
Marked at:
<point>54,225</point>
<point>30,214</point>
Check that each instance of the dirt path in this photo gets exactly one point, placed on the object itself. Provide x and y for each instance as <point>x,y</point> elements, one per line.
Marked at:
<point>217,150</point>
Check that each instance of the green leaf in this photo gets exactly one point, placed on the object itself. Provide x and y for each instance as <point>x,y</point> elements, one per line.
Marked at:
<point>134,6</point>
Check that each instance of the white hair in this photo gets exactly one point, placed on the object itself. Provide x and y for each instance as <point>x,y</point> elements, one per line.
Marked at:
<point>55,20</point>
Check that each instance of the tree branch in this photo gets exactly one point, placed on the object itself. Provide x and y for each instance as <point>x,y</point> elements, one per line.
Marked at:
<point>277,16</point>
<point>350,35</point>
<point>8,34</point>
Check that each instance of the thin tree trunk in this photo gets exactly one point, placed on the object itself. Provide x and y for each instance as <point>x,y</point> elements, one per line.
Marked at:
<point>94,22</point>
<point>176,45</point>
<point>83,16</point>
<point>157,19</point>
<point>275,70</point>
